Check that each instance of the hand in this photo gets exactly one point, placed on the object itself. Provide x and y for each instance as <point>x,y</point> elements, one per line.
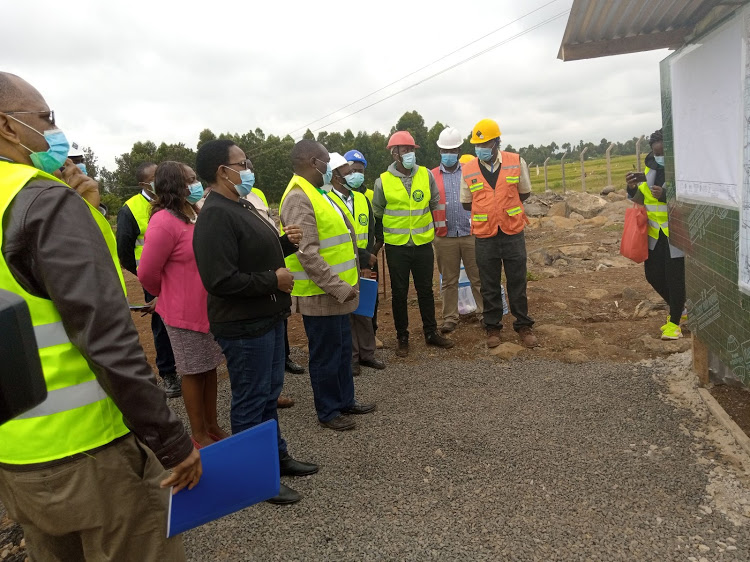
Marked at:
<point>187,473</point>
<point>353,294</point>
<point>294,234</point>
<point>150,306</point>
<point>373,260</point>
<point>376,248</point>
<point>635,177</point>
<point>657,191</point>
<point>87,187</point>
<point>284,280</point>
<point>365,273</point>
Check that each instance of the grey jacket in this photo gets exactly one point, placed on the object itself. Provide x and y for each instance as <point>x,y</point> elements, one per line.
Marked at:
<point>55,250</point>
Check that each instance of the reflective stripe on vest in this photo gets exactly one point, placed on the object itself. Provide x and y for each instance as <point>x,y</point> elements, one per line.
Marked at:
<point>407,214</point>
<point>360,220</point>
<point>141,209</point>
<point>336,246</point>
<point>657,211</point>
<point>77,414</point>
<point>498,208</point>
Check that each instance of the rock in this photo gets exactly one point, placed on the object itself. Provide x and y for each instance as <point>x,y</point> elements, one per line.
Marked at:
<point>575,356</point>
<point>666,347</point>
<point>596,294</point>
<point>542,256</point>
<point>559,209</point>
<point>616,261</point>
<point>559,334</point>
<point>560,305</point>
<point>533,223</point>
<point>578,251</point>
<point>596,221</point>
<point>560,263</point>
<point>535,209</point>
<point>630,294</point>
<point>586,204</point>
<point>617,197</point>
<point>576,217</point>
<point>704,548</point>
<point>609,241</point>
<point>558,222</point>
<point>506,350</point>
<point>608,189</point>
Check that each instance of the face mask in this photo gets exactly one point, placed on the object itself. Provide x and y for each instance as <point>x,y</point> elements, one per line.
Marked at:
<point>659,160</point>
<point>448,159</point>
<point>327,176</point>
<point>82,167</point>
<point>326,187</point>
<point>196,192</point>
<point>483,153</point>
<point>355,179</point>
<point>247,181</point>
<point>55,156</point>
<point>408,160</point>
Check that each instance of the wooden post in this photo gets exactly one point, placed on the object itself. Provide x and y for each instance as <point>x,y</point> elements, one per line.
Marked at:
<point>583,170</point>
<point>638,152</point>
<point>700,360</point>
<point>609,164</point>
<point>546,187</point>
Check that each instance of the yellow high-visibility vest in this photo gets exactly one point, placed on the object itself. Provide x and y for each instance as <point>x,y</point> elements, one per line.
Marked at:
<point>260,194</point>
<point>658,217</point>
<point>407,214</point>
<point>335,242</point>
<point>77,414</point>
<point>360,219</point>
<point>141,209</point>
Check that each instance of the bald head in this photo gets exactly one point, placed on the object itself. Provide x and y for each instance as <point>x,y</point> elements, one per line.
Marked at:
<point>18,95</point>
<point>309,160</point>
<point>24,116</point>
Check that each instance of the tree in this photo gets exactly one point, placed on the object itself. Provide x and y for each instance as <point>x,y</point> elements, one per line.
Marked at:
<point>413,122</point>
<point>205,136</point>
<point>90,159</point>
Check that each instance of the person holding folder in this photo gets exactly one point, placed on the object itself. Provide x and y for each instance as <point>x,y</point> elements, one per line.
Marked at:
<point>358,212</point>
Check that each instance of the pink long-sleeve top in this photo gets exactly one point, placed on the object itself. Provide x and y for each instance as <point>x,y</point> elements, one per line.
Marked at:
<point>168,270</point>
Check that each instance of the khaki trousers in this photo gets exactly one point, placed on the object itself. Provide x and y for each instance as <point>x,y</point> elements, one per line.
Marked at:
<point>363,338</point>
<point>107,506</point>
<point>449,253</point>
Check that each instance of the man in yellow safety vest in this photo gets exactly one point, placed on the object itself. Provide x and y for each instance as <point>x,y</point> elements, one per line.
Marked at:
<point>80,471</point>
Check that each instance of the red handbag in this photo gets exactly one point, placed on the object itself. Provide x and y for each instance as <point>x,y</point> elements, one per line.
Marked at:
<point>634,244</point>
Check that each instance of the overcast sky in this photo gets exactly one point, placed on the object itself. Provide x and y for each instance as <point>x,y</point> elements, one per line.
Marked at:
<point>120,72</point>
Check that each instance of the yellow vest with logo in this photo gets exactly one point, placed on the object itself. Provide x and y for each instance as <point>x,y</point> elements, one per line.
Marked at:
<point>77,415</point>
<point>141,209</point>
<point>407,214</point>
<point>360,219</point>
<point>335,242</point>
<point>658,218</point>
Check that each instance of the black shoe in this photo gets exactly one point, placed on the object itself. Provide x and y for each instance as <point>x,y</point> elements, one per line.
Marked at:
<point>403,347</point>
<point>359,408</point>
<point>172,385</point>
<point>437,340</point>
<point>292,367</point>
<point>339,423</point>
<point>373,364</point>
<point>448,327</point>
<point>286,496</point>
<point>290,467</point>
<point>355,369</point>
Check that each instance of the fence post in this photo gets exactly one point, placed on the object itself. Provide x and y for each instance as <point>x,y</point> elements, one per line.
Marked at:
<point>609,164</point>
<point>583,170</point>
<point>546,188</point>
<point>562,163</point>
<point>638,151</point>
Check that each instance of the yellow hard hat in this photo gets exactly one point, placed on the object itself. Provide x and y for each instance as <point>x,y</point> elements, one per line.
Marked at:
<point>466,158</point>
<point>485,130</point>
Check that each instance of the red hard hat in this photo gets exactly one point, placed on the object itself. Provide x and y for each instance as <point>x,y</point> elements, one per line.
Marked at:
<point>401,138</point>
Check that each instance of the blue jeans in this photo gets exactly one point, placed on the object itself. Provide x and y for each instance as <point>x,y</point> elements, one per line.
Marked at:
<point>256,374</point>
<point>330,346</point>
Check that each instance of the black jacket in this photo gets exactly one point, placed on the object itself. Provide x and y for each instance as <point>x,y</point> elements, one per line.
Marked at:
<point>238,253</point>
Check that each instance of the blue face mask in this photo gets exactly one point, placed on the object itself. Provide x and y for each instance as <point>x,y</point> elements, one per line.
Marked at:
<point>659,160</point>
<point>55,156</point>
<point>483,153</point>
<point>408,160</point>
<point>196,192</point>
<point>82,167</point>
<point>327,176</point>
<point>355,179</point>
<point>448,160</point>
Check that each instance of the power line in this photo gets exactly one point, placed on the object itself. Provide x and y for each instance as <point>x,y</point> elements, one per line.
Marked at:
<point>422,68</point>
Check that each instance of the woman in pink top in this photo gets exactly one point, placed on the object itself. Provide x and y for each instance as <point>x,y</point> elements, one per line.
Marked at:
<point>168,270</point>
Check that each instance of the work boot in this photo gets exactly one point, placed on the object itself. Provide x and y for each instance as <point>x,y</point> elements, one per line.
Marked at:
<point>527,337</point>
<point>339,423</point>
<point>355,369</point>
<point>290,467</point>
<point>286,496</point>
<point>493,337</point>
<point>402,350</point>
<point>172,385</point>
<point>448,327</point>
<point>437,340</point>
<point>291,367</point>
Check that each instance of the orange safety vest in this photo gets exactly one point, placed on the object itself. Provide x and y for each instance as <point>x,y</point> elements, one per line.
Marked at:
<point>499,207</point>
<point>438,215</point>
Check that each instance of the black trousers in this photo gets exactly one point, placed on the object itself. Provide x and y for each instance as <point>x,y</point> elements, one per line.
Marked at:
<point>286,339</point>
<point>503,251</point>
<point>164,355</point>
<point>667,276</point>
<point>420,262</point>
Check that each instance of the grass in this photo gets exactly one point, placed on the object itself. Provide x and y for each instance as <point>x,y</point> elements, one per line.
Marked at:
<point>596,174</point>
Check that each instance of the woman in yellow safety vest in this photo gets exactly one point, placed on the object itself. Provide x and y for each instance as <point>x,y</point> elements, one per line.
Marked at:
<point>665,266</point>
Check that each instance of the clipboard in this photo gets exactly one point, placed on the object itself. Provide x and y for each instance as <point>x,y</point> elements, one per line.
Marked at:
<point>368,293</point>
<point>238,472</point>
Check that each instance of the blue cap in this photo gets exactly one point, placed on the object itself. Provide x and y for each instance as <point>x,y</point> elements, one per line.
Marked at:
<point>355,156</point>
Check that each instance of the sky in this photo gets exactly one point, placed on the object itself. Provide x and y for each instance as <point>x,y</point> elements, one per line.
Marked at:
<point>120,72</point>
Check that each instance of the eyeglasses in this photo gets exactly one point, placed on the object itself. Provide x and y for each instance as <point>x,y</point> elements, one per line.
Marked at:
<point>46,115</point>
<point>247,164</point>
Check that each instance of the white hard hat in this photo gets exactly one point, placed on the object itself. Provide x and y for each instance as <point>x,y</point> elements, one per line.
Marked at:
<point>450,138</point>
<point>337,160</point>
<point>75,150</point>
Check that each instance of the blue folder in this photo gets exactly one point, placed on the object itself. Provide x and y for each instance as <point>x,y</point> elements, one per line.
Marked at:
<point>239,471</point>
<point>368,292</point>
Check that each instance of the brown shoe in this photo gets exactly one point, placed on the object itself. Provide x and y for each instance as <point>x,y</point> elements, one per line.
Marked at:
<point>448,327</point>
<point>493,337</point>
<point>284,402</point>
<point>339,423</point>
<point>527,336</point>
<point>403,347</point>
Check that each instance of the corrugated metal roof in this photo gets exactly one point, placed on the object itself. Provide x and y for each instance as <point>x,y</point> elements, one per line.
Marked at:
<point>598,28</point>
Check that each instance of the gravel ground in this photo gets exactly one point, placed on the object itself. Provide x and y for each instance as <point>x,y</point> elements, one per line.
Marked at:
<point>483,460</point>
